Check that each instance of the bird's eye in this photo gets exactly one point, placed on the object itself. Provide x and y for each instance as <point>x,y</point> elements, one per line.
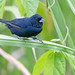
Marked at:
<point>38,19</point>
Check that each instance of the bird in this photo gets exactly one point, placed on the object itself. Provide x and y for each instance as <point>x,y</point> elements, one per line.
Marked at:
<point>25,27</point>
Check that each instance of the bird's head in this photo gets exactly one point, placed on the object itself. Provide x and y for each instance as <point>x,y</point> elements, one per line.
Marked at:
<point>37,20</point>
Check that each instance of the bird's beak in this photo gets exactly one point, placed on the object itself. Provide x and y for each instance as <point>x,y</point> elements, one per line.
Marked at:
<point>42,20</point>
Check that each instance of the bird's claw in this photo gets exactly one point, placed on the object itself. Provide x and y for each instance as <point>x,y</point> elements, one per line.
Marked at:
<point>36,38</point>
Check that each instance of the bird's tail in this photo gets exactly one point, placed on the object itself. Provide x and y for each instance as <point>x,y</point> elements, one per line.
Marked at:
<point>4,21</point>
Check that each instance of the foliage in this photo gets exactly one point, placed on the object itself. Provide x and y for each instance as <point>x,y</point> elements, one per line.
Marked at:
<point>59,24</point>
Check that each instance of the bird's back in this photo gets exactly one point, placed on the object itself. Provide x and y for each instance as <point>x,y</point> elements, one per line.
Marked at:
<point>23,22</point>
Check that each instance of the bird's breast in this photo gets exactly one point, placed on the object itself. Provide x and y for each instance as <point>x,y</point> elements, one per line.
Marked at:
<point>32,31</point>
<point>26,32</point>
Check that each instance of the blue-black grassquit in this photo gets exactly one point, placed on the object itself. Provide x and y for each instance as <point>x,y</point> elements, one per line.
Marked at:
<point>25,27</point>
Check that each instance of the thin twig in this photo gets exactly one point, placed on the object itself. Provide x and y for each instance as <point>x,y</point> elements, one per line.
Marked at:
<point>67,34</point>
<point>34,53</point>
<point>15,62</point>
<point>52,3</point>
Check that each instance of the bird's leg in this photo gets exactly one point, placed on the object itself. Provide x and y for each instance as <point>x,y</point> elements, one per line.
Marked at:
<point>36,38</point>
<point>19,37</point>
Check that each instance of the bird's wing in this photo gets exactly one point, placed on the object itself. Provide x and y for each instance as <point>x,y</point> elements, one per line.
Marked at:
<point>13,25</point>
<point>18,23</point>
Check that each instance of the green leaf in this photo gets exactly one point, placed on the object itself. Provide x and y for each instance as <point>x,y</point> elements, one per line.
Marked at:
<point>70,21</point>
<point>72,5</point>
<point>27,7</point>
<point>11,41</point>
<point>20,7</point>
<point>50,63</point>
<point>59,22</point>
<point>48,24</point>
<point>2,4</point>
<point>70,58</point>
<point>38,68</point>
<point>58,19</point>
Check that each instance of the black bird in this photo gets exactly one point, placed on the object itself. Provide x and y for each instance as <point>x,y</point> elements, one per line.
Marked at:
<point>25,27</point>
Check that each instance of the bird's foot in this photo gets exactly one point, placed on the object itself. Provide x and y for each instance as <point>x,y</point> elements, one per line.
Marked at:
<point>36,38</point>
<point>20,38</point>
